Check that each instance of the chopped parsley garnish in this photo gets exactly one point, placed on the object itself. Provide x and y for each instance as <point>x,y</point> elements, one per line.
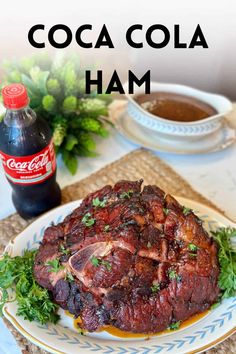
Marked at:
<point>64,250</point>
<point>215,305</point>
<point>174,326</point>
<point>192,254</point>
<point>106,228</point>
<point>227,260</point>
<point>166,211</point>
<point>99,203</point>
<point>106,264</point>
<point>88,220</point>
<point>16,273</point>
<point>126,195</point>
<point>186,211</point>
<point>192,247</point>
<point>149,245</point>
<point>55,265</point>
<point>155,288</point>
<point>97,262</point>
<point>69,276</point>
<point>173,275</point>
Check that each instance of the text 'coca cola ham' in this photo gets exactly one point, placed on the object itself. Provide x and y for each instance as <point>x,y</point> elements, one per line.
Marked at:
<point>27,154</point>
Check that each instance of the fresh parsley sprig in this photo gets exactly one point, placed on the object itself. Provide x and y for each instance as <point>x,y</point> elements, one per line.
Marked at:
<point>34,302</point>
<point>227,260</point>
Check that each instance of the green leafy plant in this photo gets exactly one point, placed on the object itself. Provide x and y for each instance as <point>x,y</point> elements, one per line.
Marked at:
<point>34,302</point>
<point>227,260</point>
<point>57,92</point>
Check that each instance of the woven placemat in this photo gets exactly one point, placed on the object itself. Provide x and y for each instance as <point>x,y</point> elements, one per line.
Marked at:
<point>138,164</point>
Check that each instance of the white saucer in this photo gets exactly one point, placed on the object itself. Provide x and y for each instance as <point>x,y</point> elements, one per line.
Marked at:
<point>139,135</point>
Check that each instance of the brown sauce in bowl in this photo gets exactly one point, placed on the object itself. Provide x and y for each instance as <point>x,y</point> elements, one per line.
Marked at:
<point>175,107</point>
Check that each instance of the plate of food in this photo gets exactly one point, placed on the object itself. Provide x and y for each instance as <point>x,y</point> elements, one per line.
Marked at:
<point>127,270</point>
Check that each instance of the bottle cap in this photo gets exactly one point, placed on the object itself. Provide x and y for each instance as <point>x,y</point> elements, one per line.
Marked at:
<point>15,96</point>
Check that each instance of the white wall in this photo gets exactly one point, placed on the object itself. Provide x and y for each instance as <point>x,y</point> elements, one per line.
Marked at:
<point>213,69</point>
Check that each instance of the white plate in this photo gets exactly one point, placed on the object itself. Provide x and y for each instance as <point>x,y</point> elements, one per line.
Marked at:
<point>217,325</point>
<point>139,135</point>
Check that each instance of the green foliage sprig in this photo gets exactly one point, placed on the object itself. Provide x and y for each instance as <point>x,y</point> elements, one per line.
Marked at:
<point>227,259</point>
<point>34,302</point>
<point>57,93</point>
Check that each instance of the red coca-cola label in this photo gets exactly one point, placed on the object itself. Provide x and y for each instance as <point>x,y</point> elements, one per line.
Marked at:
<point>31,169</point>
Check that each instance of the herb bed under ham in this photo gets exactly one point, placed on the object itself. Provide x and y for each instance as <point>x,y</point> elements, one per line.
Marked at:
<point>135,259</point>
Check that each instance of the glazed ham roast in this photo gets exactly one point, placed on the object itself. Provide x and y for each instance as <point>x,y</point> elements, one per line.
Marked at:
<point>129,257</point>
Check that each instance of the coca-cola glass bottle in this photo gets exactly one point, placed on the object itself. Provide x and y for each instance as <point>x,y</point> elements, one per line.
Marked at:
<point>27,154</point>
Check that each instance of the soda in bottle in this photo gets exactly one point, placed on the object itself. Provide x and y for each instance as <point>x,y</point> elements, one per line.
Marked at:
<point>27,154</point>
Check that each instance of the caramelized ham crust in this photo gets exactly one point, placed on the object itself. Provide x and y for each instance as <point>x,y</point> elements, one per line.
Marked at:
<point>132,258</point>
